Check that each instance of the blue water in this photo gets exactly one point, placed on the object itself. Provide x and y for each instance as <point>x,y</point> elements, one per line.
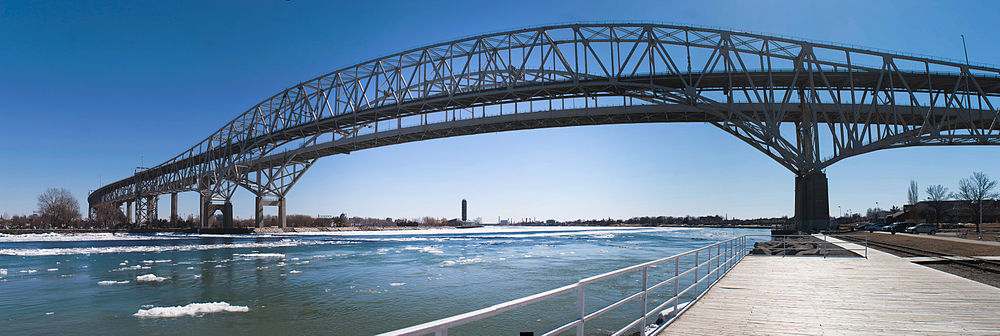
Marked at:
<point>348,284</point>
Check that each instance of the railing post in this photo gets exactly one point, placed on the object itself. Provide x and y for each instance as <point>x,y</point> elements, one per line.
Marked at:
<point>579,308</point>
<point>677,272</point>
<point>697,268</point>
<point>642,328</point>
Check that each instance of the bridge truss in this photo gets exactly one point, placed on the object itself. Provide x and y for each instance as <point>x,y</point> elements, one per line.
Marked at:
<point>806,105</point>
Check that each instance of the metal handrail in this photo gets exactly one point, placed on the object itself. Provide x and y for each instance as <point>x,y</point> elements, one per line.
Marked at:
<point>726,255</point>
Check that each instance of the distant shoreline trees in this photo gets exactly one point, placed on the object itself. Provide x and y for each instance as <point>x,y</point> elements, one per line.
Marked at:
<point>57,207</point>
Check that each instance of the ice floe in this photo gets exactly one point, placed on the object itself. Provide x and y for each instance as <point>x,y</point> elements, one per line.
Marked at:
<point>259,255</point>
<point>149,278</point>
<point>425,249</point>
<point>193,309</point>
<point>112,282</point>
<point>153,249</point>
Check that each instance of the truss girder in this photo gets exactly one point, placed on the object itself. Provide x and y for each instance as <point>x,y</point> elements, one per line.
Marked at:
<point>805,104</point>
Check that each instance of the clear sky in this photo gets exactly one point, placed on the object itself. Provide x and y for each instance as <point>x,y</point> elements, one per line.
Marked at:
<point>88,91</point>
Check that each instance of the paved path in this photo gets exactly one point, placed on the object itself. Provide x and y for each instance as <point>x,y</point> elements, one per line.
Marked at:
<point>883,295</point>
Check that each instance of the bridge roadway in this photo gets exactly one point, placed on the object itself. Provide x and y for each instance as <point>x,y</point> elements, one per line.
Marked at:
<point>883,295</point>
<point>806,105</point>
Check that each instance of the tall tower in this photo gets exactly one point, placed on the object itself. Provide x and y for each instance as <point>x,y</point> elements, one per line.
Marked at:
<point>464,213</point>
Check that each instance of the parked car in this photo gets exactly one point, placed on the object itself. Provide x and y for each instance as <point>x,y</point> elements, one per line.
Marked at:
<point>922,228</point>
<point>894,227</point>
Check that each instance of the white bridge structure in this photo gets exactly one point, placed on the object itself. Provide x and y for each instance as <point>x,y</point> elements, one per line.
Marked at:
<point>807,105</point>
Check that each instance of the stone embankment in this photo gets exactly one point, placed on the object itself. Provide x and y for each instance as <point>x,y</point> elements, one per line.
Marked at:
<point>800,246</point>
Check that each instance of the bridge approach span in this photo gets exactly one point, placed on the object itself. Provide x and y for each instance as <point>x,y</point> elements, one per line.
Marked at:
<point>807,105</point>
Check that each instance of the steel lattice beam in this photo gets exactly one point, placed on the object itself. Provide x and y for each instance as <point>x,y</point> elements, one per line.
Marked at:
<point>807,105</point>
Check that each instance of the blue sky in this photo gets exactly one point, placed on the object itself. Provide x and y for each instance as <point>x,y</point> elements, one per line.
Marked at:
<point>91,90</point>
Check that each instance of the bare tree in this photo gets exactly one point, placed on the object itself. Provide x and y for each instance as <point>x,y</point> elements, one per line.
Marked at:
<point>936,194</point>
<point>109,215</point>
<point>913,194</point>
<point>58,206</point>
<point>974,190</point>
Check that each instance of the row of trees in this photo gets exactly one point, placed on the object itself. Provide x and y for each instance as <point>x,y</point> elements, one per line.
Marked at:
<point>975,190</point>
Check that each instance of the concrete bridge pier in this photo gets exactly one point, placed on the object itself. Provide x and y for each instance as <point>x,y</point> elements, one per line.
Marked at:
<point>258,215</point>
<point>812,204</point>
<point>208,210</point>
<point>129,212</point>
<point>173,208</point>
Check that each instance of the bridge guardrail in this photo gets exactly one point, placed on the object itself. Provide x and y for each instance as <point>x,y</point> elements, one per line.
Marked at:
<point>710,264</point>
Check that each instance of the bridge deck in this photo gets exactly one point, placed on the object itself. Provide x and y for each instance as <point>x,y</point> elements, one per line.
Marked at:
<point>807,295</point>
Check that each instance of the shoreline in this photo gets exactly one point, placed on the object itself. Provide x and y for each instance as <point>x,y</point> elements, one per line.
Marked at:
<point>273,230</point>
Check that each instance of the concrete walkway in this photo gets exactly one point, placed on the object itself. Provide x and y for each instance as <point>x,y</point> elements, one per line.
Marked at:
<point>883,295</point>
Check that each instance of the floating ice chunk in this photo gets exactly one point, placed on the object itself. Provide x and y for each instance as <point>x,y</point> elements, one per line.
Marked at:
<point>147,249</point>
<point>394,284</point>
<point>295,272</point>
<point>130,268</point>
<point>3,271</point>
<point>190,268</point>
<point>32,271</point>
<point>112,282</point>
<point>194,309</point>
<point>425,249</point>
<point>52,269</point>
<point>149,278</point>
<point>295,259</point>
<point>447,262</point>
<point>50,313</point>
<point>260,255</point>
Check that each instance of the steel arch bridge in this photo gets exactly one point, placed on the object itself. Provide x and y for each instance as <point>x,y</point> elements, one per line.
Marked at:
<point>806,105</point>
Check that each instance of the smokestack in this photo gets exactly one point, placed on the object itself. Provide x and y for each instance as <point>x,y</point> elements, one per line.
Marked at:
<point>464,213</point>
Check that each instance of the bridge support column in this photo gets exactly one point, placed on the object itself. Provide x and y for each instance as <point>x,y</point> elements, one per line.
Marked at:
<point>205,210</point>
<point>227,215</point>
<point>261,202</point>
<point>282,222</point>
<point>208,210</point>
<point>173,209</point>
<point>129,212</point>
<point>152,210</point>
<point>812,204</point>
<point>258,212</point>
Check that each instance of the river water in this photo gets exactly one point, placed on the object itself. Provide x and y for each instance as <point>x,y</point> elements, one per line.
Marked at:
<point>359,283</point>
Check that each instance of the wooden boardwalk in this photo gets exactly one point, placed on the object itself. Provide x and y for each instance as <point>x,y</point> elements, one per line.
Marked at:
<point>883,295</point>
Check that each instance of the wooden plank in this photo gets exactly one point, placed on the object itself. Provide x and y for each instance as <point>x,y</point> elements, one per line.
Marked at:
<point>885,294</point>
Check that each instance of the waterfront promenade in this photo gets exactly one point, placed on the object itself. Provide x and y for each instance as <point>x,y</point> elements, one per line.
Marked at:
<point>884,295</point>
